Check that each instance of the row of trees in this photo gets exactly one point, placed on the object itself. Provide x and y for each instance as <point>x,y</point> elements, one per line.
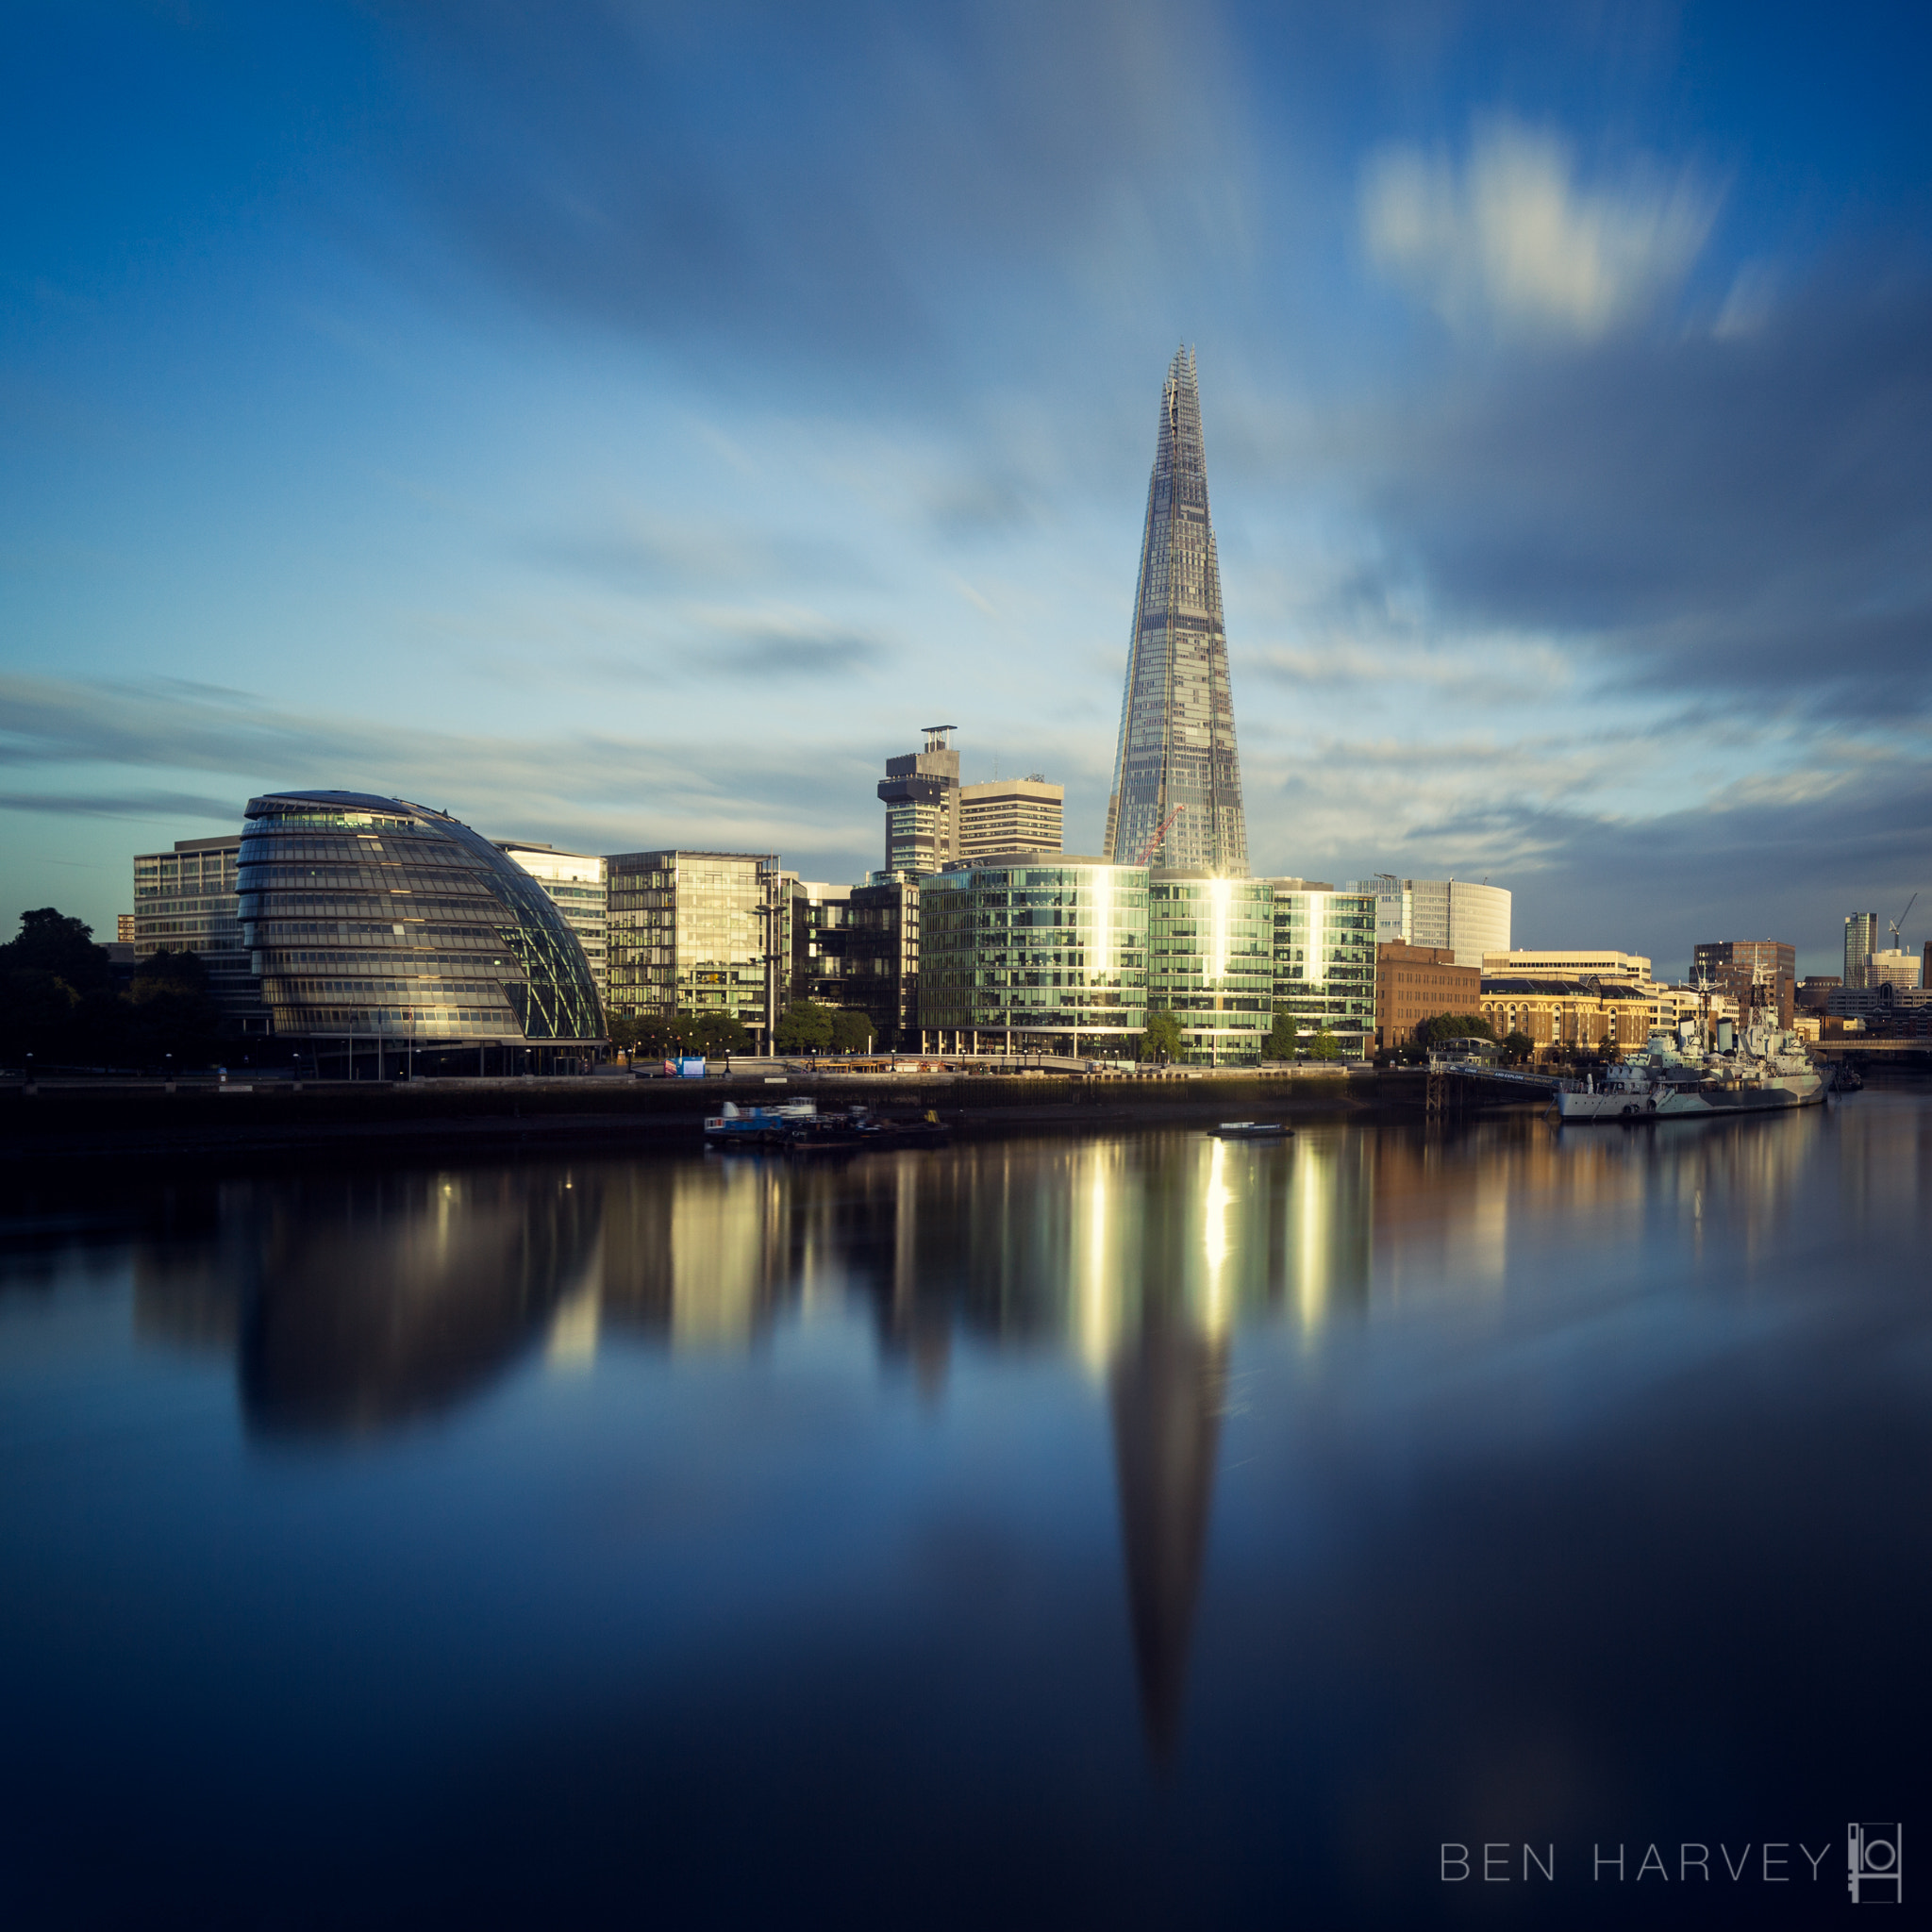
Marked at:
<point>805,1028</point>
<point>60,1004</point>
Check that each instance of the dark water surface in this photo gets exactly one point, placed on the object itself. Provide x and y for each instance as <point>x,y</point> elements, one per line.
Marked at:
<point>1146,1531</point>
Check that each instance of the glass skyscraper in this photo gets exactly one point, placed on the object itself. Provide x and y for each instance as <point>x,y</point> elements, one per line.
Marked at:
<point>1176,759</point>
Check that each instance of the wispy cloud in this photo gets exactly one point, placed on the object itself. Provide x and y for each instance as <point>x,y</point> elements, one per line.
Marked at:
<point>1512,241</point>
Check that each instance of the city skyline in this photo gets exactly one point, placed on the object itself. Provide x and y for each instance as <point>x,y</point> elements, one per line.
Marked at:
<point>394,405</point>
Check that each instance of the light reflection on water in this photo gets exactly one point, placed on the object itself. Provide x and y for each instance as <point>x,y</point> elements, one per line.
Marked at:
<point>363,1307</point>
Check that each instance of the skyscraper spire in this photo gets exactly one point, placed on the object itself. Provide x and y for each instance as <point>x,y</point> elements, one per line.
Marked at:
<point>1178,776</point>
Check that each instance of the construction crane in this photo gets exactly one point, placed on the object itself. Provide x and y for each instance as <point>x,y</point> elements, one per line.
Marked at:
<point>1896,942</point>
<point>1153,845</point>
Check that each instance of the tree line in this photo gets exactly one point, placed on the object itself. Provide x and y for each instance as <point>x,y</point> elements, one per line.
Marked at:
<point>63,1004</point>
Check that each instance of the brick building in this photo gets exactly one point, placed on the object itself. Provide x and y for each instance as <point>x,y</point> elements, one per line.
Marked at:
<point>1414,984</point>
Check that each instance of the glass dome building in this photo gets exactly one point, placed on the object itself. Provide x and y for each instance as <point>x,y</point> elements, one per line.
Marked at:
<point>368,915</point>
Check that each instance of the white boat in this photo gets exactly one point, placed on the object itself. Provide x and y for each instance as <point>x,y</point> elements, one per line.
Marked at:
<point>1250,1130</point>
<point>1765,1069</point>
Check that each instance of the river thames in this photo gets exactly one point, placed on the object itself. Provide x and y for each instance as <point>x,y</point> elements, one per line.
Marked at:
<point>1128,1531</point>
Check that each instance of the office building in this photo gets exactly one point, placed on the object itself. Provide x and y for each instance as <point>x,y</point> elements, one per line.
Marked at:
<point>861,952</point>
<point>1210,962</point>
<point>1010,815</point>
<point>1176,797</point>
<point>1893,966</point>
<point>369,915</point>
<point>1324,965</point>
<point>576,881</point>
<point>1631,968</point>
<point>920,793</point>
<point>1471,921</point>
<point>1416,983</point>
<point>1862,942</point>
<point>1017,954</point>
<point>1815,990</point>
<point>187,900</point>
<point>1590,1015</point>
<point>1756,973</point>
<point>695,932</point>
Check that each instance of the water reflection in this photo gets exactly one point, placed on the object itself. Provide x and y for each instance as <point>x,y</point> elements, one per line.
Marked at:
<point>357,1303</point>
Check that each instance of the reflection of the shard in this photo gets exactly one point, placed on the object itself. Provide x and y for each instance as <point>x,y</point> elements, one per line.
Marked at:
<point>1167,1401</point>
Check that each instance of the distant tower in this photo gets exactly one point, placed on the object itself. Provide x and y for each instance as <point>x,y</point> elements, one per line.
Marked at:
<point>1862,942</point>
<point>1177,758</point>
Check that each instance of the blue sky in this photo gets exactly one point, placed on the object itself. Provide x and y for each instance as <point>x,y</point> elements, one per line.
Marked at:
<point>625,425</point>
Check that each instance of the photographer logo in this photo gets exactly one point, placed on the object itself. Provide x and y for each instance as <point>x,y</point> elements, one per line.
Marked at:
<point>1878,1874</point>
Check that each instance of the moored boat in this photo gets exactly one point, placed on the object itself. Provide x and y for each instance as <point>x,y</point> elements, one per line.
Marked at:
<point>1765,1069</point>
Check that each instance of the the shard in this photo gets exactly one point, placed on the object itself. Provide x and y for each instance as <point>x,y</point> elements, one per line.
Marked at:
<point>1177,800</point>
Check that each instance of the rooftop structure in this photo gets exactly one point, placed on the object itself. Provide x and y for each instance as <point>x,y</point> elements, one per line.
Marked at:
<point>1176,798</point>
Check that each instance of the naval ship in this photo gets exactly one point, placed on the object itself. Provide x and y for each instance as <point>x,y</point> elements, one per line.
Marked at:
<point>1763,1068</point>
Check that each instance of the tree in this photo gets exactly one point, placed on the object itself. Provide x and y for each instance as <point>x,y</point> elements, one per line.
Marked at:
<point>719,1035</point>
<point>1517,1048</point>
<point>1453,1026</point>
<point>1162,1040</point>
<point>805,1027</point>
<point>1324,1046</point>
<point>851,1032</point>
<point>49,942</point>
<point>1283,1039</point>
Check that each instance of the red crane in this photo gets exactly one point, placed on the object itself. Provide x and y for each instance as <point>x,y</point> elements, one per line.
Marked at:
<point>1153,845</point>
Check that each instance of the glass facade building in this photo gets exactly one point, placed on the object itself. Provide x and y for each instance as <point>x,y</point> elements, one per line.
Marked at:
<point>1018,954</point>
<point>861,952</point>
<point>189,901</point>
<point>1862,942</point>
<point>1471,921</point>
<point>1211,962</point>
<point>371,915</point>
<point>694,933</point>
<point>1324,962</point>
<point>1177,752</point>
<point>576,881</point>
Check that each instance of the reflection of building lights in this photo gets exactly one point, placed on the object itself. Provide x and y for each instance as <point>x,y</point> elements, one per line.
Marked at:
<point>1214,1301</point>
<point>1099,1286</point>
<point>1313,1233</point>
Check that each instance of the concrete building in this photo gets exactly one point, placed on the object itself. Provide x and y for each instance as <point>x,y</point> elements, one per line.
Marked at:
<point>1862,942</point>
<point>1469,920</point>
<point>576,881</point>
<point>1893,966</point>
<point>1414,984</point>
<point>1578,1015</point>
<point>920,793</point>
<point>1018,952</point>
<point>1541,963</point>
<point>695,932</point>
<point>1010,815</point>
<point>373,916</point>
<point>1760,972</point>
<point>1324,946</point>
<point>189,901</point>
